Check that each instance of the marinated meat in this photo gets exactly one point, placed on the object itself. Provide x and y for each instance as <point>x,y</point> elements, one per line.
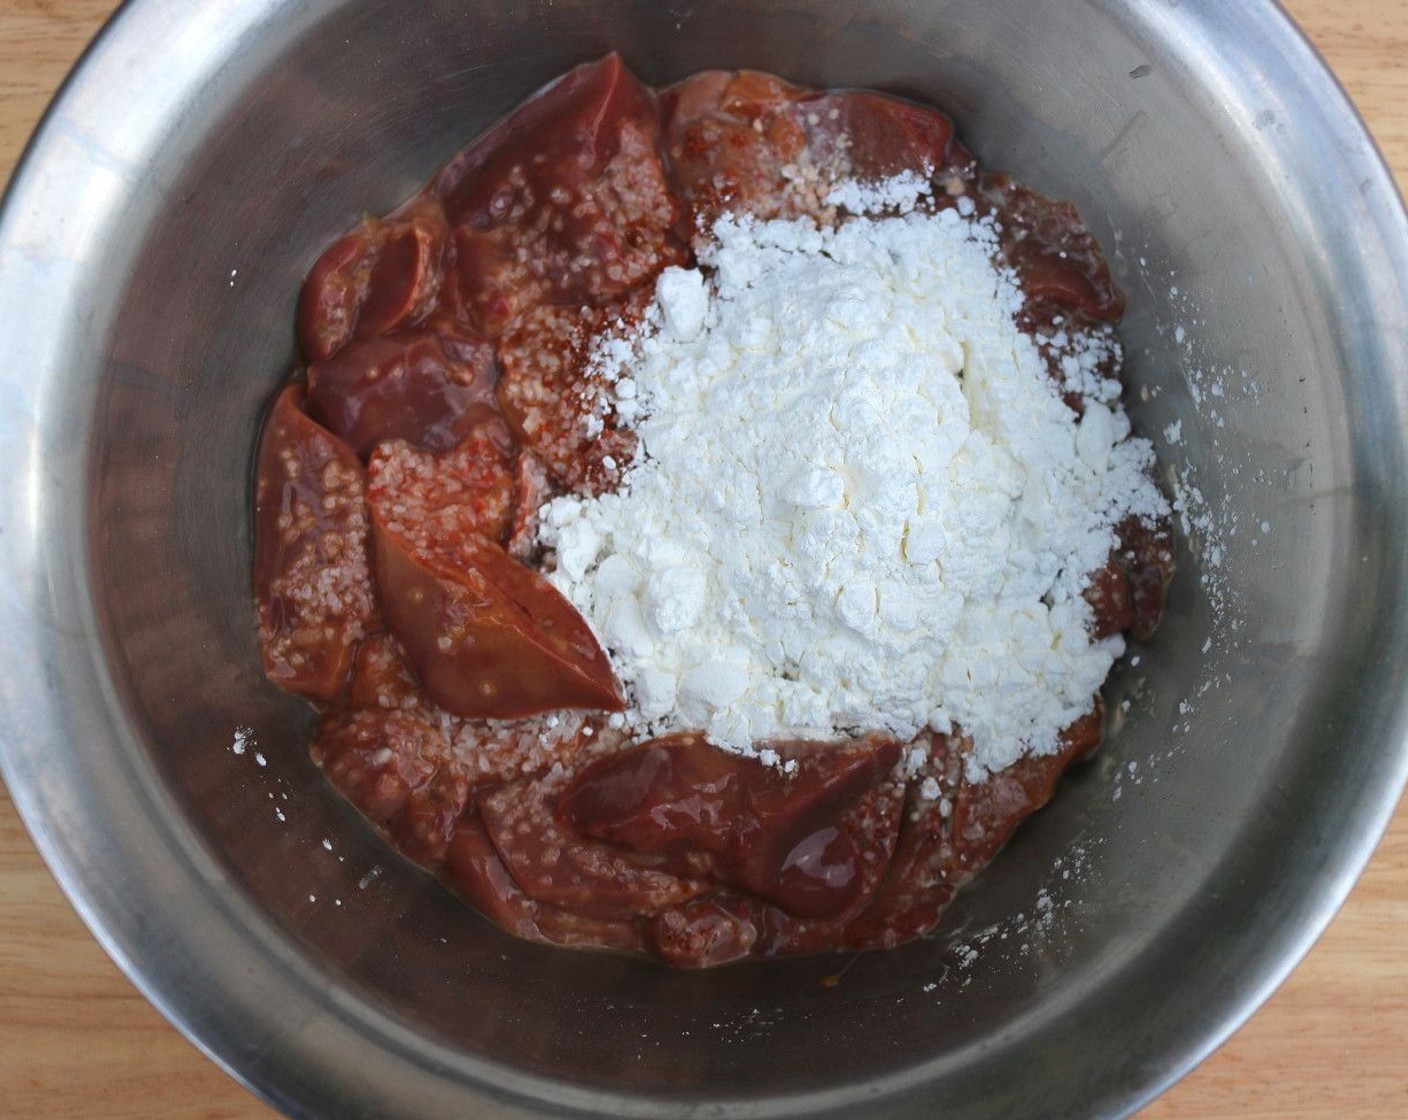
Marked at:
<point>747,142</point>
<point>453,347</point>
<point>398,768</point>
<point>569,869</point>
<point>1060,265</point>
<point>488,637</point>
<point>403,386</point>
<point>558,404</point>
<point>730,142</point>
<point>384,274</point>
<point>1145,556</point>
<point>466,492</point>
<point>985,813</point>
<point>700,811</point>
<point>564,202</point>
<point>312,575</point>
<point>475,869</point>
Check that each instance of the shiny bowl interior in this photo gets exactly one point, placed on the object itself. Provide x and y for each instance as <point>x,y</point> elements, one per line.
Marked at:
<point>151,248</point>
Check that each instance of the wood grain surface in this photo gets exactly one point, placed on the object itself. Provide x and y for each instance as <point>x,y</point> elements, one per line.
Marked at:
<point>77,1041</point>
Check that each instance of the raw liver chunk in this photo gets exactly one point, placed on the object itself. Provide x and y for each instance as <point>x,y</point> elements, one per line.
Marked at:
<point>474,868</point>
<point>746,142</point>
<point>1058,262</point>
<point>398,768</point>
<point>563,202</point>
<point>312,576</point>
<point>697,810</point>
<point>557,402</point>
<point>426,498</point>
<point>489,638</point>
<point>384,274</point>
<point>553,865</point>
<point>986,813</point>
<point>407,385</point>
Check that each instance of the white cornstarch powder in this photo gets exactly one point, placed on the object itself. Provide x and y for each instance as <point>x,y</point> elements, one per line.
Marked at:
<point>858,503</point>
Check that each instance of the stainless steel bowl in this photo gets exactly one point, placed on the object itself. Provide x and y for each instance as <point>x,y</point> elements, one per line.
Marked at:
<point>151,247</point>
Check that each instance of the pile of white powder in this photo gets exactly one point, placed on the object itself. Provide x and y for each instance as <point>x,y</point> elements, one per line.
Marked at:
<point>858,502</point>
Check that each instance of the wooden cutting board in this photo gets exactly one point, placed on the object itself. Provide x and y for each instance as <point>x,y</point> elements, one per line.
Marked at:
<point>77,1041</point>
